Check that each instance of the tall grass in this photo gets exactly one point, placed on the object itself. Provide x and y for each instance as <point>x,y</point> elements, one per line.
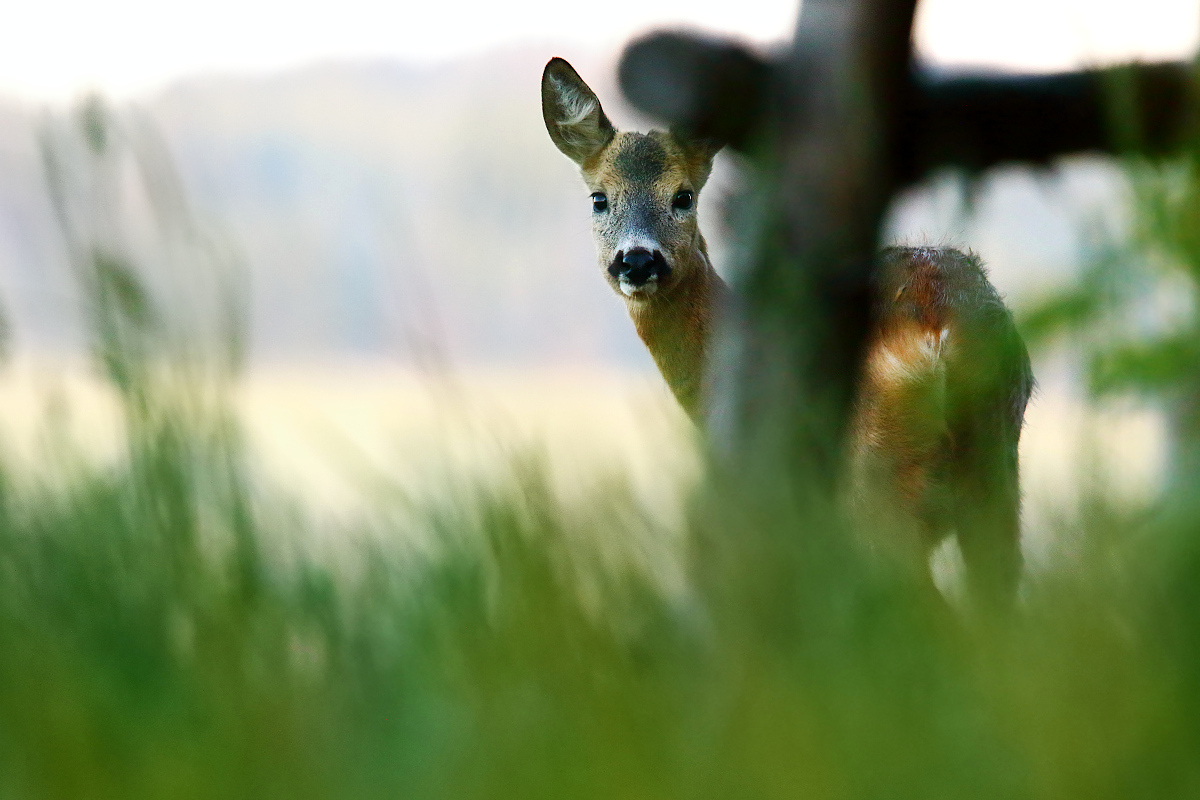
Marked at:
<point>157,640</point>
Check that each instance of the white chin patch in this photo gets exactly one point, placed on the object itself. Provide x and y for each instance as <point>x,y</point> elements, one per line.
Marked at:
<point>646,289</point>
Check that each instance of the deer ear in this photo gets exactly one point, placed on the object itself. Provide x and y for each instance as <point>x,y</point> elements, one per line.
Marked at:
<point>700,153</point>
<point>573,115</point>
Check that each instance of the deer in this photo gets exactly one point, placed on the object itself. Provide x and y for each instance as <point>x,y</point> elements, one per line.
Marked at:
<point>932,442</point>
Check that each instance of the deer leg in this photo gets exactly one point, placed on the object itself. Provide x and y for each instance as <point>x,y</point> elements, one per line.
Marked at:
<point>987,517</point>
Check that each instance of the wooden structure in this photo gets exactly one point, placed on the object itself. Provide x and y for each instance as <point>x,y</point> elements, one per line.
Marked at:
<point>837,125</point>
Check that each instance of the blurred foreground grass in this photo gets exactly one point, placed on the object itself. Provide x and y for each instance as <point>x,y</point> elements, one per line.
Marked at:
<point>164,635</point>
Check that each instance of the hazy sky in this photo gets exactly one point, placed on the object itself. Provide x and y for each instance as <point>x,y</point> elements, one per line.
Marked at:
<point>54,49</point>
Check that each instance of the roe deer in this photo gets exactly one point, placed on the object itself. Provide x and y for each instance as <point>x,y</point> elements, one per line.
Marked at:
<point>932,445</point>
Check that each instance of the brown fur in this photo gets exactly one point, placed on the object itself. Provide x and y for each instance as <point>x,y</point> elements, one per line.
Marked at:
<point>938,417</point>
<point>945,378</point>
<point>676,328</point>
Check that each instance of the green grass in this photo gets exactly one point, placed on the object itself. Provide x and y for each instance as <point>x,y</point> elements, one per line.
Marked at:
<point>160,637</point>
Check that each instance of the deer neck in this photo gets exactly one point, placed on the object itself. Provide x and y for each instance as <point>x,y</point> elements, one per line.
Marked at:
<point>676,328</point>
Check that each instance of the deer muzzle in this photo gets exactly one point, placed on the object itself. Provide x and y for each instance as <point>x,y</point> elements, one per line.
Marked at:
<point>639,271</point>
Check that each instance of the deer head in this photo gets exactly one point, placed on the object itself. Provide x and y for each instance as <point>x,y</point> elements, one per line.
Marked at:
<point>644,189</point>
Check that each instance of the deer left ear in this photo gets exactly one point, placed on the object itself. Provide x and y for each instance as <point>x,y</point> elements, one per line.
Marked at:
<point>700,153</point>
<point>574,118</point>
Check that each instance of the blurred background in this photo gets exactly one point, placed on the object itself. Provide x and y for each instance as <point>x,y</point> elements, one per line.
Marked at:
<point>330,467</point>
<point>374,186</point>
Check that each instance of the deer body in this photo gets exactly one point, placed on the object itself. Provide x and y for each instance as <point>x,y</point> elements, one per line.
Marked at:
<point>945,378</point>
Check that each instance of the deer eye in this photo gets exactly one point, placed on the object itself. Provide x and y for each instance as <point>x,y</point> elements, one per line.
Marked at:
<point>682,200</point>
<point>599,201</point>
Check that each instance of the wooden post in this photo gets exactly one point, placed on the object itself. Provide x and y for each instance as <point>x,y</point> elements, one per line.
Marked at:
<point>835,127</point>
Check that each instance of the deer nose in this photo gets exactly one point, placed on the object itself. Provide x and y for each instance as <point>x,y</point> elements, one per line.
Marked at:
<point>637,267</point>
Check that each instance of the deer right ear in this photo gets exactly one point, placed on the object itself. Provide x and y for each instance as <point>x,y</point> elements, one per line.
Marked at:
<point>700,154</point>
<point>572,112</point>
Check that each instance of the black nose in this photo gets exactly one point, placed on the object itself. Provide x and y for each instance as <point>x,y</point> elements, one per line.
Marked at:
<point>638,266</point>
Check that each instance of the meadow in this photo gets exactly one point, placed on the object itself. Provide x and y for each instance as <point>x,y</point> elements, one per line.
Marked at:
<point>559,593</point>
<point>190,606</point>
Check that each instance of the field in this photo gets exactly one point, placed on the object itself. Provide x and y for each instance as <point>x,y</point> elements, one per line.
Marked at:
<point>333,433</point>
<point>354,582</point>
